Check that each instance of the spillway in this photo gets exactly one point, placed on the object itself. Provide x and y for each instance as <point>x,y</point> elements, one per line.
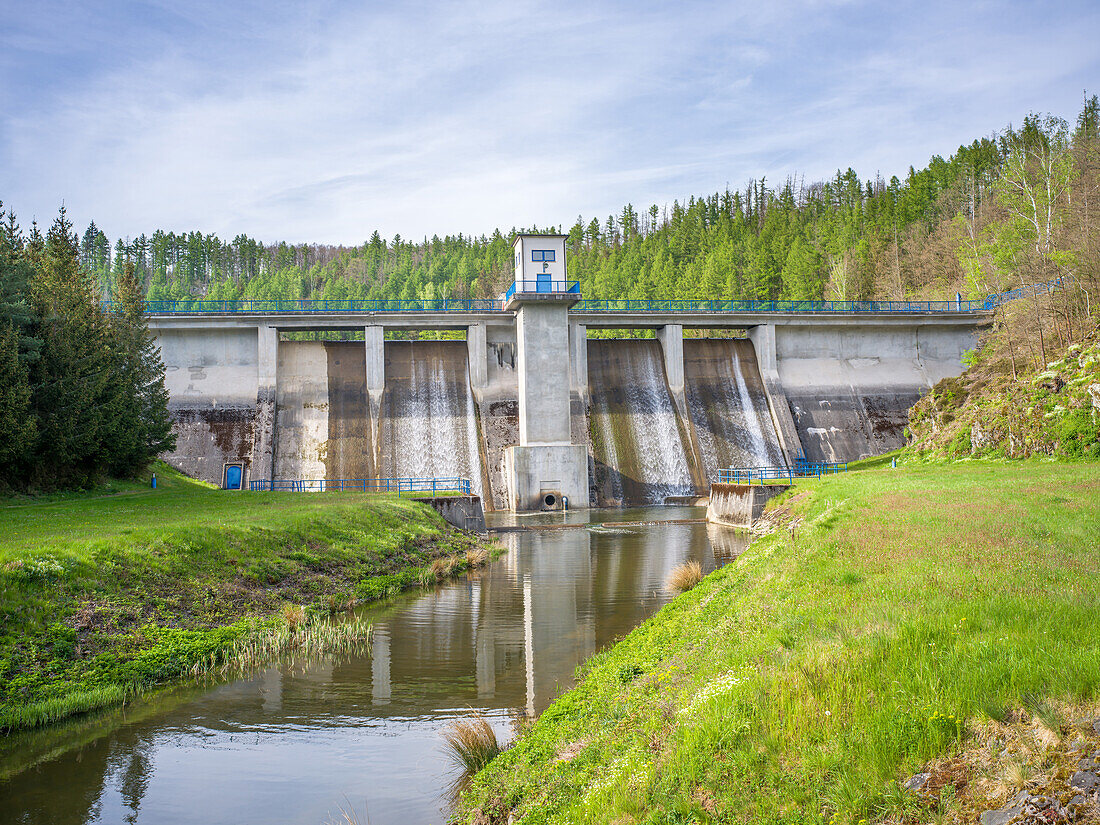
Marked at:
<point>639,448</point>
<point>428,424</point>
<point>728,405</point>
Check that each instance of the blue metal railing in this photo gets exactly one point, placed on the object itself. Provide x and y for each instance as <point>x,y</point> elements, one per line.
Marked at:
<point>1026,291</point>
<point>841,307</point>
<point>434,486</point>
<point>759,475</point>
<point>544,287</point>
<point>319,305</point>
<point>273,306</point>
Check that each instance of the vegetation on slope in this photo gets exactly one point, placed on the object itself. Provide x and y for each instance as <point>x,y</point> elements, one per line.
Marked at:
<point>105,595</point>
<point>897,617</point>
<point>986,412</point>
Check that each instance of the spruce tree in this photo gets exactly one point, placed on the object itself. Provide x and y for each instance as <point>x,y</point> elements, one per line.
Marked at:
<point>17,424</point>
<point>145,428</point>
<point>70,381</point>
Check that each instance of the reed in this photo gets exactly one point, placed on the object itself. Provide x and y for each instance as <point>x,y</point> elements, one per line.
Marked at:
<point>316,638</point>
<point>685,576</point>
<point>471,744</point>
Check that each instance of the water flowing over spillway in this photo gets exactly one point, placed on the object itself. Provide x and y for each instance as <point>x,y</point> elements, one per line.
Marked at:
<point>728,405</point>
<point>428,421</point>
<point>638,444</point>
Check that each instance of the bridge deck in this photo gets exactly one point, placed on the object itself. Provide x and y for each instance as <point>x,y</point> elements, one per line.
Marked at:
<point>600,319</point>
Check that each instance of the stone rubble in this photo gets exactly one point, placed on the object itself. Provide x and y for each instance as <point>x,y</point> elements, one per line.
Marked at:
<point>1036,809</point>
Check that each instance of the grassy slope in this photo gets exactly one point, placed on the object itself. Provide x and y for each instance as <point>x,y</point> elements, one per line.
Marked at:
<point>801,682</point>
<point>101,595</point>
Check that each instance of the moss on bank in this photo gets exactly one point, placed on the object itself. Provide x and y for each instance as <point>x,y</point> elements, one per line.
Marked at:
<point>898,611</point>
<point>103,596</point>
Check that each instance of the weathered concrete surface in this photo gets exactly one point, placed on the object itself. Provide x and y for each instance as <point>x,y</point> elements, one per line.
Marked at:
<point>463,512</point>
<point>540,475</point>
<point>350,451</point>
<point>728,405</point>
<point>542,332</point>
<point>301,421</point>
<point>545,465</point>
<point>498,411</point>
<point>763,342</point>
<point>477,356</point>
<point>740,505</point>
<point>212,380</point>
<point>850,388</point>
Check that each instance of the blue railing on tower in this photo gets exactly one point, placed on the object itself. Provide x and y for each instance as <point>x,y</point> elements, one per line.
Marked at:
<point>433,486</point>
<point>544,286</point>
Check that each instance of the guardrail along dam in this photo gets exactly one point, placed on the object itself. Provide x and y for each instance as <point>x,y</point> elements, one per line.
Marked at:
<point>531,409</point>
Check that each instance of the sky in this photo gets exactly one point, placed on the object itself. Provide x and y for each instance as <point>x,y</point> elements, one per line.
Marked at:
<point>323,121</point>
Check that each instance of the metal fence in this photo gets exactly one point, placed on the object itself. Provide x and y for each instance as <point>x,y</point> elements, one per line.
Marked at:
<point>544,287</point>
<point>840,307</point>
<point>760,475</point>
<point>291,306</point>
<point>432,486</point>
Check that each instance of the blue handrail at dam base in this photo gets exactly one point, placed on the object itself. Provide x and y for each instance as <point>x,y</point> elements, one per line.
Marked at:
<point>433,486</point>
<point>762,475</point>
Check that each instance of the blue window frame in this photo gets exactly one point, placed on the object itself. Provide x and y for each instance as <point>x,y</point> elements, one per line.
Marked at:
<point>542,255</point>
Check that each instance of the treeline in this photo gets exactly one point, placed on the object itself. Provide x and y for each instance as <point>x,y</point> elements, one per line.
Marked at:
<point>82,393</point>
<point>845,238</point>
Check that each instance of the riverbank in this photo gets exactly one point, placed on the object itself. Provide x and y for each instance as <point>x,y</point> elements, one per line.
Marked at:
<point>108,593</point>
<point>893,618</point>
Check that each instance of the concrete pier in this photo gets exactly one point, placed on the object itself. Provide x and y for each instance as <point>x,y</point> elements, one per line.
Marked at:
<point>545,467</point>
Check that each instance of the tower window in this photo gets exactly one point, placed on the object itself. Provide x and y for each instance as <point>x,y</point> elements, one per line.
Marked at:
<point>542,254</point>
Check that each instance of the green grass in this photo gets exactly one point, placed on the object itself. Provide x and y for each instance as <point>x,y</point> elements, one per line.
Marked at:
<point>103,595</point>
<point>804,681</point>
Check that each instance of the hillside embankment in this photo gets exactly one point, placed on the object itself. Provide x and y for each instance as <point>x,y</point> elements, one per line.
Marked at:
<point>987,411</point>
<point>105,594</point>
<point>933,619</point>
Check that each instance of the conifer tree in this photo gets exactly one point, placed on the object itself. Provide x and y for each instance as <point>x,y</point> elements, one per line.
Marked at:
<point>144,428</point>
<point>71,379</point>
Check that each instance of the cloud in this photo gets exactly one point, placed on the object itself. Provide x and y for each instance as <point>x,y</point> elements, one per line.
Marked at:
<point>323,121</point>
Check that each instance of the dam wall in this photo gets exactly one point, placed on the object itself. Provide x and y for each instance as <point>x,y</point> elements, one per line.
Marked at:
<point>849,387</point>
<point>651,418</point>
<point>215,400</point>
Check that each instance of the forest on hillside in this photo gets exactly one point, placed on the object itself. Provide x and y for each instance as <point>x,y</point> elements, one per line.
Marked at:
<point>1011,208</point>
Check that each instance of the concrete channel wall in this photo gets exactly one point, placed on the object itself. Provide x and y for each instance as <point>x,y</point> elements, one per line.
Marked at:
<point>740,505</point>
<point>835,388</point>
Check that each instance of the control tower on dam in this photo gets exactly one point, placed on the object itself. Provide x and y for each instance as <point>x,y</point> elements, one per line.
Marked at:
<point>532,410</point>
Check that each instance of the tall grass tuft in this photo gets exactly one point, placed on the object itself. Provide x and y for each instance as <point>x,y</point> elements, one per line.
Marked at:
<point>685,576</point>
<point>471,743</point>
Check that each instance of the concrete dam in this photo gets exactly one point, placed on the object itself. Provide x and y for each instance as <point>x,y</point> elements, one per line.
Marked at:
<point>532,410</point>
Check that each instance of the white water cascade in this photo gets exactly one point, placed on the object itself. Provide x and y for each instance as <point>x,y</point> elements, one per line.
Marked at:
<point>429,417</point>
<point>638,444</point>
<point>728,406</point>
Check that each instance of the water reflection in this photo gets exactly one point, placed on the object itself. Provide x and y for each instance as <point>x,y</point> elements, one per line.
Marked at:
<point>294,743</point>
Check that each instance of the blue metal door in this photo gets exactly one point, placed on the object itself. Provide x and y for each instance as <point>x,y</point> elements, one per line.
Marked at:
<point>233,477</point>
<point>543,282</point>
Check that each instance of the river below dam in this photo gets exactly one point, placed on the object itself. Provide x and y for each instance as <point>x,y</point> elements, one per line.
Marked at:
<point>301,742</point>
